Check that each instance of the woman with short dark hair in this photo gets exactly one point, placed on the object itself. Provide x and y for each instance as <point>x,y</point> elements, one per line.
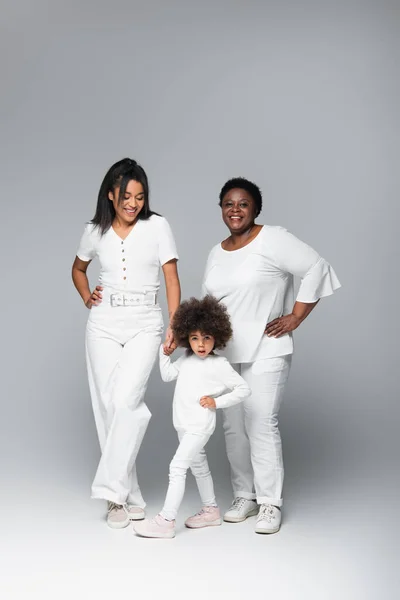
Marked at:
<point>125,326</point>
<point>251,272</point>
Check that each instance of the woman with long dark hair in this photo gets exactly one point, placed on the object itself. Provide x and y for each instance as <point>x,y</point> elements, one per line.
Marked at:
<point>125,326</point>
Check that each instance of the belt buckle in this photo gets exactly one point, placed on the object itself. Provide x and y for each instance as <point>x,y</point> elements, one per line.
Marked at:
<point>114,299</point>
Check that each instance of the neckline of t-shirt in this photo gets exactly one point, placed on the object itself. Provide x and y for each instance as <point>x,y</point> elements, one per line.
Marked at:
<point>129,234</point>
<point>243,247</point>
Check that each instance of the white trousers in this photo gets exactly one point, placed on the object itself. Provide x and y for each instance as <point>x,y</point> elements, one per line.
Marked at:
<point>253,441</point>
<point>121,346</point>
<point>190,453</point>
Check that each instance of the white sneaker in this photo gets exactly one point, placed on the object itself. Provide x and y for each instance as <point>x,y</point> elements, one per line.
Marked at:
<point>135,513</point>
<point>241,509</point>
<point>119,516</point>
<point>269,519</point>
<point>155,528</point>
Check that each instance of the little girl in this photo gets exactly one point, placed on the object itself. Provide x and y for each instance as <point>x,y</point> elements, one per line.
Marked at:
<point>205,381</point>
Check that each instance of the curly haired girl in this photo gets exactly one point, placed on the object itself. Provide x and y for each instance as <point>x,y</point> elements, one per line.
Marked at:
<point>205,381</point>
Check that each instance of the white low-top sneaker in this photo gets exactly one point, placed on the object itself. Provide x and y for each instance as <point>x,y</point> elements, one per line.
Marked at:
<point>269,519</point>
<point>117,517</point>
<point>135,513</point>
<point>241,509</point>
<point>155,528</point>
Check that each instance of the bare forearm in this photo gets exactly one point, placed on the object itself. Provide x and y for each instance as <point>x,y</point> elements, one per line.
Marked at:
<point>288,323</point>
<point>301,310</point>
<point>173,297</point>
<point>81,283</point>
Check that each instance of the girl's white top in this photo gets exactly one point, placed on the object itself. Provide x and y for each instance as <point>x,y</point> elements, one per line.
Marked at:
<point>196,377</point>
<point>133,264</point>
<point>256,285</point>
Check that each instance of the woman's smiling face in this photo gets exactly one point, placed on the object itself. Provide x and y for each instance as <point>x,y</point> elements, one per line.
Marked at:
<point>128,208</point>
<point>238,210</point>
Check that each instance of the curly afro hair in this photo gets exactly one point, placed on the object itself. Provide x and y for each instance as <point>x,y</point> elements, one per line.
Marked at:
<point>243,184</point>
<point>207,316</point>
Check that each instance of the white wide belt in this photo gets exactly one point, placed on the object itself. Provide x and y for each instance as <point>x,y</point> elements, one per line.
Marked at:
<point>126,299</point>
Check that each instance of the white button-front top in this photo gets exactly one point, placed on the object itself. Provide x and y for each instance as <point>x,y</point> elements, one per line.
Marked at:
<point>133,264</point>
<point>256,285</point>
<point>196,377</point>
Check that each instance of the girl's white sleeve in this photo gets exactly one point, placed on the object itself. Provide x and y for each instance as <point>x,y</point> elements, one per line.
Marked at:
<point>318,279</point>
<point>169,370</point>
<point>232,381</point>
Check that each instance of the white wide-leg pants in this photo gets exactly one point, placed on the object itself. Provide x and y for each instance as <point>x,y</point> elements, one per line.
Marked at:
<point>190,453</point>
<point>122,343</point>
<point>252,437</point>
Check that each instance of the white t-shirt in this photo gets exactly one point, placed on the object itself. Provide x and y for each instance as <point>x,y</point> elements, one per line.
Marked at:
<point>256,285</point>
<point>196,377</point>
<point>133,264</point>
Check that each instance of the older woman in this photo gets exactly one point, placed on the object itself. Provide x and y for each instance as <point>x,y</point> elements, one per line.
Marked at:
<point>251,272</point>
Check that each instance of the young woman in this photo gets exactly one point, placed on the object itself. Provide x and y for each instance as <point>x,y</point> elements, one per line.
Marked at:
<point>125,326</point>
<point>252,271</point>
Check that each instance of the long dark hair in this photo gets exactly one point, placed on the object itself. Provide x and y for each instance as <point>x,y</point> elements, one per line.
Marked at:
<point>119,175</point>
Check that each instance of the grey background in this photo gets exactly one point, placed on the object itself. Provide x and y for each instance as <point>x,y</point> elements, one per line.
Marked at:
<point>301,97</point>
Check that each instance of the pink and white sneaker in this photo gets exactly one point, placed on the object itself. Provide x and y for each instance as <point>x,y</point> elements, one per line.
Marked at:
<point>155,528</point>
<point>208,516</point>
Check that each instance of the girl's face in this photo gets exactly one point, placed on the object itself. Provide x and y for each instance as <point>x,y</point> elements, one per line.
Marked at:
<point>238,210</point>
<point>201,343</point>
<point>131,204</point>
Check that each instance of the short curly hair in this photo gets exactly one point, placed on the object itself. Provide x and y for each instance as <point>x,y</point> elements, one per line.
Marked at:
<point>243,184</point>
<point>207,316</point>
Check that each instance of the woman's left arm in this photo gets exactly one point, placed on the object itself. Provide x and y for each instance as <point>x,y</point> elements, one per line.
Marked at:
<point>318,279</point>
<point>173,289</point>
<point>288,323</point>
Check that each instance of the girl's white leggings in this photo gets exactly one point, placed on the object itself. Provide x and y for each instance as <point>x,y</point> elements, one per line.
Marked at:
<point>190,453</point>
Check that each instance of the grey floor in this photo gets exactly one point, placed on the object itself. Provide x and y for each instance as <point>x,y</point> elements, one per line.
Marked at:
<point>56,544</point>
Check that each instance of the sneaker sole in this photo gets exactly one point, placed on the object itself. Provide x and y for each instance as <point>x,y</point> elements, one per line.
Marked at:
<point>200,526</point>
<point>137,517</point>
<point>165,536</point>
<point>267,532</point>
<point>241,519</point>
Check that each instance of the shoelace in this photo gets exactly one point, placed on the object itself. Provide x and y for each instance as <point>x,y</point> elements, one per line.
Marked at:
<point>266,513</point>
<point>238,503</point>
<point>113,506</point>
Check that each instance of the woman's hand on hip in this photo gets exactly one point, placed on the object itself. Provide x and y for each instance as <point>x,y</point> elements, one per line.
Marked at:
<point>95,298</point>
<point>282,326</point>
<point>169,345</point>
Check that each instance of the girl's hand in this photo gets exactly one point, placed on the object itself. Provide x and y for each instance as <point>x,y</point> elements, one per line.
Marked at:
<point>95,298</point>
<point>207,402</point>
<point>169,344</point>
<point>282,325</point>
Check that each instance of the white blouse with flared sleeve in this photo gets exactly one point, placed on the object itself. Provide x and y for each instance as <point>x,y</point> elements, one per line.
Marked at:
<point>256,285</point>
<point>132,264</point>
<point>196,377</point>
